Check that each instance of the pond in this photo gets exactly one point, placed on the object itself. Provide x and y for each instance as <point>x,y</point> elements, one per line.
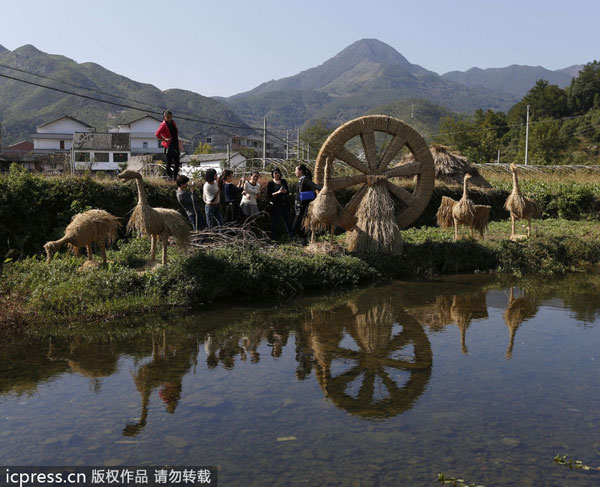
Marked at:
<point>479,377</point>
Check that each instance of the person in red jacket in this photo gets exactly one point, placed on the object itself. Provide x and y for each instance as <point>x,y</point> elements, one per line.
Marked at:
<point>167,132</point>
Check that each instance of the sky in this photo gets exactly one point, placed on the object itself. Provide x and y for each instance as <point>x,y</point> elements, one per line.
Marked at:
<point>224,47</point>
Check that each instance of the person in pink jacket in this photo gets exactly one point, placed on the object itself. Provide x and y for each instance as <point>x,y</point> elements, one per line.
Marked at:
<point>167,132</point>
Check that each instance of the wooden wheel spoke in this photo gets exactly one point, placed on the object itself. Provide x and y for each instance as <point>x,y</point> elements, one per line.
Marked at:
<point>409,169</point>
<point>395,146</point>
<point>368,141</point>
<point>400,364</point>
<point>406,197</point>
<point>346,182</point>
<point>365,394</point>
<point>390,385</point>
<point>345,155</point>
<point>347,376</point>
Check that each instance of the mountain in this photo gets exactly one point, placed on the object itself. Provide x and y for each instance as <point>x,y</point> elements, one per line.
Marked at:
<point>516,80</point>
<point>23,107</point>
<point>366,74</point>
<point>572,71</point>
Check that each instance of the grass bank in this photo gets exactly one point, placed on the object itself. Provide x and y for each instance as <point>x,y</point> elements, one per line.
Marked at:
<point>35,293</point>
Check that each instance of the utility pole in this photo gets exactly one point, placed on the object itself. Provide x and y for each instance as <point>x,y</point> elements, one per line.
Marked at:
<point>412,110</point>
<point>287,145</point>
<point>498,161</point>
<point>298,144</point>
<point>264,157</point>
<point>228,157</point>
<point>308,151</point>
<point>527,135</point>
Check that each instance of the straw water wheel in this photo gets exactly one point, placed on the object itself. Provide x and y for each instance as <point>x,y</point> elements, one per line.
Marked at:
<point>377,168</point>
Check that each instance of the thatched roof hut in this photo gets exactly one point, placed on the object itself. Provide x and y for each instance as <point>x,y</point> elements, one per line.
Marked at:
<point>451,167</point>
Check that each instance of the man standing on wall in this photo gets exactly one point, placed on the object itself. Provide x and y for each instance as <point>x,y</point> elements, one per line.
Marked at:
<point>167,132</point>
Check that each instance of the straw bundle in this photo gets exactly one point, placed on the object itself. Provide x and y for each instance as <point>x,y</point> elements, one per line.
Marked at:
<point>376,229</point>
<point>92,226</point>
<point>444,213</point>
<point>156,221</point>
<point>482,218</point>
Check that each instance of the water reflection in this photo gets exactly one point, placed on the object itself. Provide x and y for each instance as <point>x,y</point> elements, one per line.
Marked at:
<point>368,349</point>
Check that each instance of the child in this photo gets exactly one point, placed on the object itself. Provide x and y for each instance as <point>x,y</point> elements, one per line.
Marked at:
<point>249,203</point>
<point>211,196</point>
<point>189,202</point>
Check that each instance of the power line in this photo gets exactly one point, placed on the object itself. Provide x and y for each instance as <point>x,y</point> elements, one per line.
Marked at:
<point>88,97</point>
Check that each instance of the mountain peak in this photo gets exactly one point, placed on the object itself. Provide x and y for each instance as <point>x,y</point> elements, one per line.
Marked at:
<point>3,49</point>
<point>27,50</point>
<point>374,50</point>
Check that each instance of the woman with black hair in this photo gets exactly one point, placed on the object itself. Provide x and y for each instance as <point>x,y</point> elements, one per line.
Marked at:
<point>211,197</point>
<point>277,194</point>
<point>232,194</point>
<point>304,195</point>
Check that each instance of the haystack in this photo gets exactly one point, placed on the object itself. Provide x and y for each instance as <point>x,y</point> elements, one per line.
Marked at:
<point>85,229</point>
<point>451,167</point>
<point>376,230</point>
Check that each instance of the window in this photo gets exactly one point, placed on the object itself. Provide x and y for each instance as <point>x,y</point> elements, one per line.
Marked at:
<point>120,157</point>
<point>209,140</point>
<point>159,146</point>
<point>82,157</point>
<point>101,156</point>
<point>62,145</point>
<point>145,145</point>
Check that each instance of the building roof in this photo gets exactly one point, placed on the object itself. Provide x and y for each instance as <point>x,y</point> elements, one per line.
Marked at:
<point>141,118</point>
<point>101,141</point>
<point>217,156</point>
<point>65,116</point>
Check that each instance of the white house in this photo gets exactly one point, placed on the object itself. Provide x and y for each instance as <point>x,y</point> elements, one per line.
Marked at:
<point>57,135</point>
<point>218,161</point>
<point>100,151</point>
<point>141,130</point>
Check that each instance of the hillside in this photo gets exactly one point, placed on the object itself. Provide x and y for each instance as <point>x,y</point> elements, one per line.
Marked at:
<point>366,74</point>
<point>516,80</point>
<point>23,107</point>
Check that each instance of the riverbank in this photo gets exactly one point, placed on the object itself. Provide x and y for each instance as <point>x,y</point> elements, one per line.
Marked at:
<point>34,293</point>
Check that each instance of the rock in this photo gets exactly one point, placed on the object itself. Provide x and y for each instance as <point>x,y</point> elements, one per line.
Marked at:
<point>510,441</point>
<point>176,441</point>
<point>286,438</point>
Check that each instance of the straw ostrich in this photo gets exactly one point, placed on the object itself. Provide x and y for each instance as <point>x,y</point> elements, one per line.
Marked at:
<point>325,211</point>
<point>519,206</point>
<point>156,222</point>
<point>92,226</point>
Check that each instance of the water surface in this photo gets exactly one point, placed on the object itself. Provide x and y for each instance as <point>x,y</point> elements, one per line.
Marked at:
<point>474,377</point>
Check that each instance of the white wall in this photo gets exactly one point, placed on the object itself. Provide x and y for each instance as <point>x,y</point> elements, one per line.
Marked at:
<point>144,125</point>
<point>52,144</point>
<point>63,126</point>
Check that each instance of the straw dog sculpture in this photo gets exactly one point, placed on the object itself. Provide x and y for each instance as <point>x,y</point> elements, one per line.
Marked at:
<point>520,207</point>
<point>92,226</point>
<point>156,222</point>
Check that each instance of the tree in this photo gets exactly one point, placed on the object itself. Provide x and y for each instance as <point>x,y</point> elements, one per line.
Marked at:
<point>546,142</point>
<point>316,133</point>
<point>203,148</point>
<point>584,88</point>
<point>544,100</point>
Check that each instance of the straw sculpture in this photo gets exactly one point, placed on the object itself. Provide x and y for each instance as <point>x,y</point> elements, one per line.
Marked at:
<point>519,206</point>
<point>156,222</point>
<point>376,229</point>
<point>85,229</point>
<point>518,311</point>
<point>480,220</point>
<point>324,212</point>
<point>451,167</point>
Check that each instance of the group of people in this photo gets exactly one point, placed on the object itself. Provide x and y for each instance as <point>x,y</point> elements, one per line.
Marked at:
<point>240,200</point>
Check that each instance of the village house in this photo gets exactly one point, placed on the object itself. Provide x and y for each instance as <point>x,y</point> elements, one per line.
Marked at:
<point>251,145</point>
<point>218,161</point>
<point>57,135</point>
<point>97,151</point>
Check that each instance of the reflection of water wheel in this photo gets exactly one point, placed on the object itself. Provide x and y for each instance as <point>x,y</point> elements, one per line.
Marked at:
<point>385,372</point>
<point>369,129</point>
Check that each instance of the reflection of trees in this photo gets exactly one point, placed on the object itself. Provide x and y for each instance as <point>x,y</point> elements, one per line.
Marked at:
<point>386,364</point>
<point>170,361</point>
<point>518,310</point>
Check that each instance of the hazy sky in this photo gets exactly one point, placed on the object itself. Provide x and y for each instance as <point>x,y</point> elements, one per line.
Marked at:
<point>225,47</point>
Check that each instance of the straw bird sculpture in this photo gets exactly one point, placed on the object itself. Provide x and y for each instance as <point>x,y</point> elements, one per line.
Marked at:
<point>463,212</point>
<point>324,212</point>
<point>92,226</point>
<point>519,206</point>
<point>156,222</point>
